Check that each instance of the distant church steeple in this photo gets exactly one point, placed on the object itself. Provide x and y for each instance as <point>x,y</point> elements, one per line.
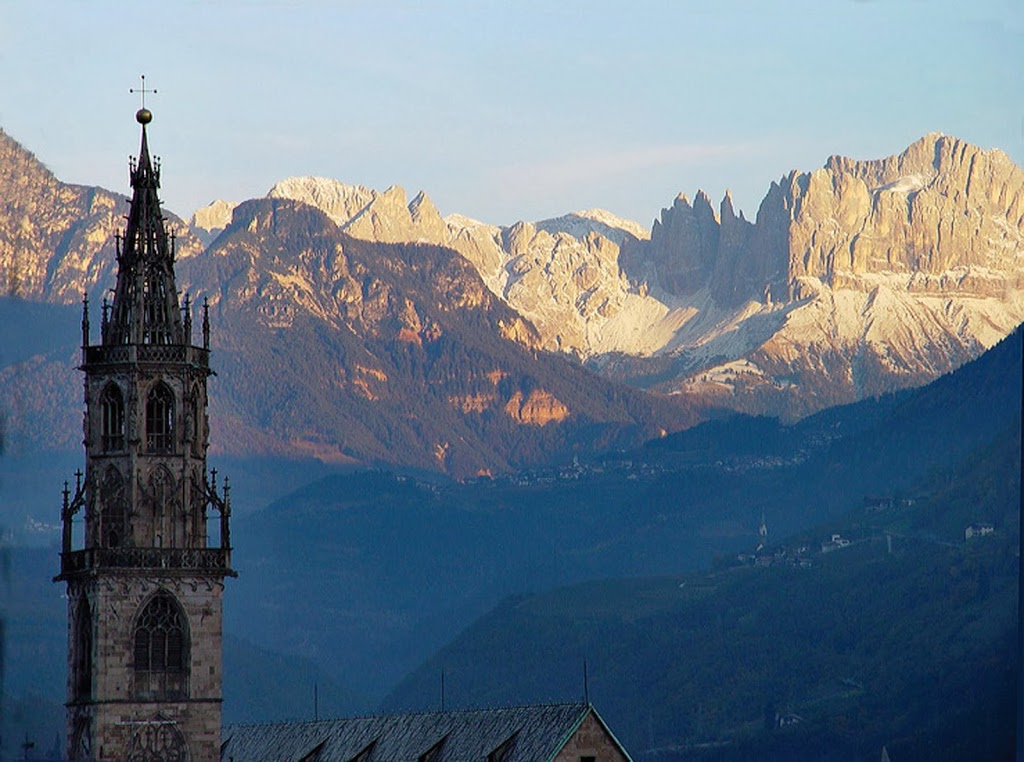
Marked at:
<point>145,582</point>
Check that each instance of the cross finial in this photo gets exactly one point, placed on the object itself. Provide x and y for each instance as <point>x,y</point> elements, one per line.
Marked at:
<point>142,90</point>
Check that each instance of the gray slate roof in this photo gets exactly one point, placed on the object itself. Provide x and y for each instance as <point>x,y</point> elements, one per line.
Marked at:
<point>540,732</point>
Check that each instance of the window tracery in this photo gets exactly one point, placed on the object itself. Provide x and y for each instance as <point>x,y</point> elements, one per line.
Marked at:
<point>162,496</point>
<point>161,650</point>
<point>160,419</point>
<point>194,428</point>
<point>158,741</point>
<point>112,419</point>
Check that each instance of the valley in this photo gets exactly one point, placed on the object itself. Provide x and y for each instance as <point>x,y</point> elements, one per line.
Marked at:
<point>495,452</point>
<point>409,571</point>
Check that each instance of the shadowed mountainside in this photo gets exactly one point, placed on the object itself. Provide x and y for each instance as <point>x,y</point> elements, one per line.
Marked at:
<point>906,638</point>
<point>364,575</point>
<point>349,351</point>
<point>392,567</point>
<point>392,352</point>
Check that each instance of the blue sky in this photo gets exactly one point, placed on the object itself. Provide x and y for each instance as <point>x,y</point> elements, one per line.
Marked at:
<point>505,110</point>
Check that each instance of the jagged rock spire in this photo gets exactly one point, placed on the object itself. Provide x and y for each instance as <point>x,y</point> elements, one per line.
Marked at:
<point>145,308</point>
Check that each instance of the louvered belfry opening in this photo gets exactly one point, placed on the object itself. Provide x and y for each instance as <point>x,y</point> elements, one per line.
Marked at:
<point>161,645</point>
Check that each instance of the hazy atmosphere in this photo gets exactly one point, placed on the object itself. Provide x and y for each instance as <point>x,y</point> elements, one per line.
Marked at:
<point>566,381</point>
<point>507,111</point>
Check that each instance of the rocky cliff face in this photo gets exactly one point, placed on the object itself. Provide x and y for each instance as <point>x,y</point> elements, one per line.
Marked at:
<point>209,222</point>
<point>693,250</point>
<point>390,351</point>
<point>855,279</point>
<point>852,280</point>
<point>939,208</point>
<point>562,274</point>
<point>53,236</point>
<point>57,240</point>
<point>328,346</point>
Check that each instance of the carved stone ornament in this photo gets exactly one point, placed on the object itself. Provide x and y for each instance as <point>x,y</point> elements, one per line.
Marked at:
<point>158,740</point>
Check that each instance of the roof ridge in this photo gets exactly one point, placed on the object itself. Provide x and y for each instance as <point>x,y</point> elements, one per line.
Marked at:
<point>464,710</point>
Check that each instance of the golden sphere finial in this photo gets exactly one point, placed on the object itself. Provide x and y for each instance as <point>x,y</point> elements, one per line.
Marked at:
<point>143,116</point>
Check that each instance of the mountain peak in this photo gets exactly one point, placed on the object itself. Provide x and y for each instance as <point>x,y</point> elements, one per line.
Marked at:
<point>887,271</point>
<point>210,221</point>
<point>427,219</point>
<point>582,223</point>
<point>57,239</point>
<point>339,201</point>
<point>928,159</point>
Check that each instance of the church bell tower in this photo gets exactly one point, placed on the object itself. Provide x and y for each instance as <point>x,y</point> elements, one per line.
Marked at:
<point>146,575</point>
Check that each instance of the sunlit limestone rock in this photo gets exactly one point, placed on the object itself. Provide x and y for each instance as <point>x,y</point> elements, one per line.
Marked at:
<point>337,200</point>
<point>538,408</point>
<point>209,222</point>
<point>735,276</point>
<point>562,273</point>
<point>386,218</point>
<point>855,279</point>
<point>684,244</point>
<point>57,239</point>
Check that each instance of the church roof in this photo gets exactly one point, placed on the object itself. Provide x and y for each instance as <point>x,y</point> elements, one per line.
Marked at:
<point>514,734</point>
<point>145,309</point>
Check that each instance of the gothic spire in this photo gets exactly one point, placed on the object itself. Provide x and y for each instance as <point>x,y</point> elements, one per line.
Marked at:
<point>145,309</point>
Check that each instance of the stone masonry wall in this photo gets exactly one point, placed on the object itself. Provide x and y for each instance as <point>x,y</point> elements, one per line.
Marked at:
<point>591,740</point>
<point>117,601</point>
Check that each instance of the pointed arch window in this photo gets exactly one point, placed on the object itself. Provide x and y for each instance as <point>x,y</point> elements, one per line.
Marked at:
<point>197,428</point>
<point>81,666</point>
<point>164,509</point>
<point>161,650</point>
<point>112,512</point>
<point>160,419</point>
<point>112,419</point>
<point>156,322</point>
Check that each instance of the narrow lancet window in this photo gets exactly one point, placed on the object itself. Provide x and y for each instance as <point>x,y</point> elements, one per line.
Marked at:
<point>112,509</point>
<point>161,650</point>
<point>196,425</point>
<point>112,419</point>
<point>156,321</point>
<point>81,666</point>
<point>160,420</point>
